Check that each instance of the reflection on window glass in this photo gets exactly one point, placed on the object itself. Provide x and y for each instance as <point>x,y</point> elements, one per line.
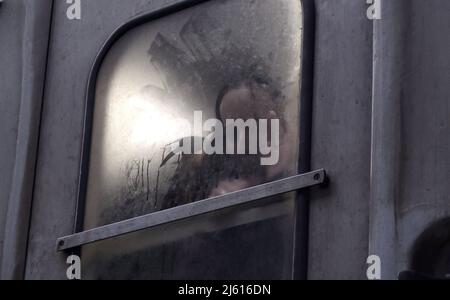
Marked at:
<point>227,60</point>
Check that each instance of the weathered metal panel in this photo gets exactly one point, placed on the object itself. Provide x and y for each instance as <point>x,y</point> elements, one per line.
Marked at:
<point>425,163</point>
<point>27,26</point>
<point>338,234</point>
<point>74,46</point>
<point>389,67</point>
<point>411,161</point>
<point>11,16</point>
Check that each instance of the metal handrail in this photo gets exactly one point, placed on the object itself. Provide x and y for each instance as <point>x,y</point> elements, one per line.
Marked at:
<point>191,210</point>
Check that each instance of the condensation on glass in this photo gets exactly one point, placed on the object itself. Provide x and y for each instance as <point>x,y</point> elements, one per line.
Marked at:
<point>244,55</point>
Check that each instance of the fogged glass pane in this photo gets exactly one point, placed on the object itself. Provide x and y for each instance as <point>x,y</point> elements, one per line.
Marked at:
<point>243,243</point>
<point>160,73</point>
<point>233,59</point>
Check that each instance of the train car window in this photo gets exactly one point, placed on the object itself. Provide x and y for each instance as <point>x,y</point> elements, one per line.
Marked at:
<point>156,88</point>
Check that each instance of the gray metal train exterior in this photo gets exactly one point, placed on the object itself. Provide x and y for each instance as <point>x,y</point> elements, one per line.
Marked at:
<point>92,93</point>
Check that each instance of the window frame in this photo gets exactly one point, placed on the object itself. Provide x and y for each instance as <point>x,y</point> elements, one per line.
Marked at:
<point>298,183</point>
